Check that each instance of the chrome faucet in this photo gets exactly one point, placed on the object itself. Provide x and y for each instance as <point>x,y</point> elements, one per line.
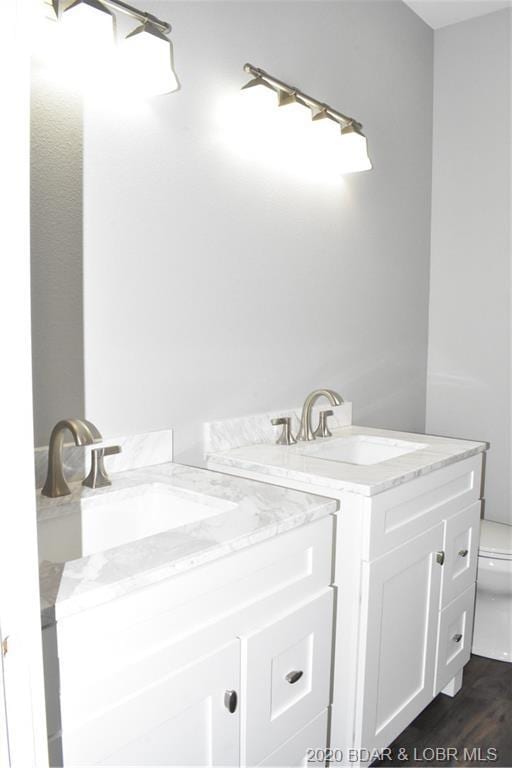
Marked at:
<point>306,431</point>
<point>84,433</point>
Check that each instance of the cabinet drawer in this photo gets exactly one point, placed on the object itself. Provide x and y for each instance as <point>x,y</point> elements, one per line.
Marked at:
<point>461,539</point>
<point>454,638</point>
<point>285,676</point>
<point>295,751</point>
<point>402,513</point>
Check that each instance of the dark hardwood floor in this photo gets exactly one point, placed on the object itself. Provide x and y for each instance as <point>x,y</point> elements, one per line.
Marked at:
<point>477,723</point>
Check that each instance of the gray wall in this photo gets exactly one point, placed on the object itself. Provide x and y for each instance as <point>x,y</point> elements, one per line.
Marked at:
<point>469,340</point>
<point>217,287</point>
<point>56,253</point>
<point>214,286</point>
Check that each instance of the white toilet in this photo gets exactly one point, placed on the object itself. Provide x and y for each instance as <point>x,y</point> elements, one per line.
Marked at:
<point>493,611</point>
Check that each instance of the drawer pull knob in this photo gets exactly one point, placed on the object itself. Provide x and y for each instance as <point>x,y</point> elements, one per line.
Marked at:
<point>294,676</point>
<point>440,557</point>
<point>463,552</point>
<point>231,701</point>
<point>457,638</point>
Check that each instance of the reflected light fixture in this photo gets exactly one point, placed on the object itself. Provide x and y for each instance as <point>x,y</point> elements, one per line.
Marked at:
<point>341,136</point>
<point>145,59</point>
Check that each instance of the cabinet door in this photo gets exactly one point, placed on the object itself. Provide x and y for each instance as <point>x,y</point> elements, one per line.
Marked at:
<point>184,720</point>
<point>286,677</point>
<point>398,638</point>
<point>294,752</point>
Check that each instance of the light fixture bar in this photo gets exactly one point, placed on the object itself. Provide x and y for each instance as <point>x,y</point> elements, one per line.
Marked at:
<point>128,10</point>
<point>142,16</point>
<point>318,108</point>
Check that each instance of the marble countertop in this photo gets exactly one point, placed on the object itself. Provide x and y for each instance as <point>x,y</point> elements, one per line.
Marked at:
<point>288,462</point>
<point>256,512</point>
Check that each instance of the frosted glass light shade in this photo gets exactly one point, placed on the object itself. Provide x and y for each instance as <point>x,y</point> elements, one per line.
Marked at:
<point>147,61</point>
<point>89,25</point>
<point>257,96</point>
<point>295,111</point>
<point>354,151</point>
<point>327,135</point>
<point>325,144</point>
<point>86,44</point>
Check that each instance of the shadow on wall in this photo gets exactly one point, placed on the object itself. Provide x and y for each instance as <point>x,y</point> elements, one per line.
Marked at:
<point>56,254</point>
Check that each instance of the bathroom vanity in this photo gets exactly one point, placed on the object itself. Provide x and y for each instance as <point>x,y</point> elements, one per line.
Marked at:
<point>406,549</point>
<point>187,620</point>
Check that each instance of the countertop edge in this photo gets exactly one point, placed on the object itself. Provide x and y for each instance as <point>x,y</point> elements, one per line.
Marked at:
<point>225,459</point>
<point>51,613</point>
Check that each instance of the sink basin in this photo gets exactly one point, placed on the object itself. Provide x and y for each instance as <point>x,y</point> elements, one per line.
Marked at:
<point>360,449</point>
<point>106,520</point>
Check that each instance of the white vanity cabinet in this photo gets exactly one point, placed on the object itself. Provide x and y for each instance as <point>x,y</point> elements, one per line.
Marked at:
<point>416,555</point>
<point>226,664</point>
<point>405,572</point>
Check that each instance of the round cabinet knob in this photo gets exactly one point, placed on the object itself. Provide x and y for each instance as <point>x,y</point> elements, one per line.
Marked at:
<point>463,552</point>
<point>231,701</point>
<point>294,676</point>
<point>457,638</point>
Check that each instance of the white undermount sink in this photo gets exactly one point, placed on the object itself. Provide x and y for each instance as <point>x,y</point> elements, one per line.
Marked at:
<point>102,521</point>
<point>360,449</point>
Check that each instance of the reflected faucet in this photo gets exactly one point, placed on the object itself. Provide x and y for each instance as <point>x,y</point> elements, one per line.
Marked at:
<point>84,433</point>
<point>306,431</point>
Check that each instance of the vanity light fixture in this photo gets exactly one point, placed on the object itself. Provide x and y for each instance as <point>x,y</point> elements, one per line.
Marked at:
<point>350,149</point>
<point>145,53</point>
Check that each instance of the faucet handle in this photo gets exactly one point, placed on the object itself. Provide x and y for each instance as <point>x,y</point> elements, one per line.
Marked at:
<point>98,477</point>
<point>110,450</point>
<point>286,437</point>
<point>323,430</point>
